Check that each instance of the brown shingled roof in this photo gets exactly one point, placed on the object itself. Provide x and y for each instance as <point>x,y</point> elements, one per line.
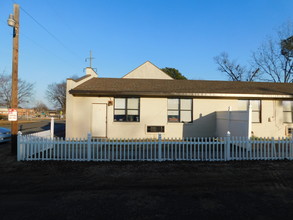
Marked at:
<point>156,87</point>
<point>81,78</point>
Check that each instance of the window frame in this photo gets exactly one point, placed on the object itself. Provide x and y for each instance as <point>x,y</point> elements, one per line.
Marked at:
<point>259,111</point>
<point>126,109</point>
<point>155,128</point>
<point>179,111</point>
<point>286,122</point>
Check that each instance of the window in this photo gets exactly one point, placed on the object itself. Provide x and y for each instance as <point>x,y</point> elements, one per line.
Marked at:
<point>255,107</point>
<point>179,110</point>
<point>126,109</point>
<point>287,111</point>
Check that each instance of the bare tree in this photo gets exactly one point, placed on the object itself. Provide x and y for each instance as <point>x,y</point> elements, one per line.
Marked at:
<point>56,93</point>
<point>233,70</point>
<point>5,90</point>
<point>25,91</point>
<point>40,107</point>
<point>276,63</point>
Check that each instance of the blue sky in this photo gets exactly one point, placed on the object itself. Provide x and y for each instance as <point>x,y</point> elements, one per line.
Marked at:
<point>182,34</point>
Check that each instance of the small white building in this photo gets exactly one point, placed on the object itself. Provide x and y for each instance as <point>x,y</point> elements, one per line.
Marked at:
<point>147,101</point>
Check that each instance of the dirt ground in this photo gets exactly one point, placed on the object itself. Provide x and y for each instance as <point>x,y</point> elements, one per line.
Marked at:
<point>6,122</point>
<point>145,190</point>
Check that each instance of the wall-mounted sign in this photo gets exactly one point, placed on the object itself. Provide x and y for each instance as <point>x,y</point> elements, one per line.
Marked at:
<point>12,114</point>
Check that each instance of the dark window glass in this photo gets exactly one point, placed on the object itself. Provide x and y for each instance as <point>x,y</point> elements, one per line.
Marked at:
<point>255,107</point>
<point>287,111</point>
<point>126,109</point>
<point>179,110</point>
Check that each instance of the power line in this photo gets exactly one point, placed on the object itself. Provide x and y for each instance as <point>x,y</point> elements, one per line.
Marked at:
<point>3,22</point>
<point>48,32</point>
<point>45,49</point>
<point>57,14</point>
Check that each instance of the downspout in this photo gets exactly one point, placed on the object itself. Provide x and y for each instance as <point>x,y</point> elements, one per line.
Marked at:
<point>249,121</point>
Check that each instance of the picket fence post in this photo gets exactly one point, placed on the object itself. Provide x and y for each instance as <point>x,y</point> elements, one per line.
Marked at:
<point>291,148</point>
<point>89,148</point>
<point>52,128</point>
<point>19,147</point>
<point>228,146</point>
<point>160,147</point>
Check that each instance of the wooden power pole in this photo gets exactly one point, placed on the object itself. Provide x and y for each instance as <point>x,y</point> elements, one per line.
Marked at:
<point>14,91</point>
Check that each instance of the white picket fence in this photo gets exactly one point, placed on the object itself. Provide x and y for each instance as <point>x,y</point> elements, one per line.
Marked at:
<point>42,135</point>
<point>46,133</point>
<point>161,149</point>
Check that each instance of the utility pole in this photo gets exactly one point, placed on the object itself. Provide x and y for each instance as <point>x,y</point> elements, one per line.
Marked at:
<point>13,21</point>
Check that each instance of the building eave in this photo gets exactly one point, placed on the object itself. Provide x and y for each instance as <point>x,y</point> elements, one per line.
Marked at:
<point>176,94</point>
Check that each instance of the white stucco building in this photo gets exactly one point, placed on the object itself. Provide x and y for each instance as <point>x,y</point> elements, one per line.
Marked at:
<point>147,101</point>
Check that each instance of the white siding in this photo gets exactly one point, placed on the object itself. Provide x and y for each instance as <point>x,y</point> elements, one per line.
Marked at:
<point>153,111</point>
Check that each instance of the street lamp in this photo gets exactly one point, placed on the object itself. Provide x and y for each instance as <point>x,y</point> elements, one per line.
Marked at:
<point>13,21</point>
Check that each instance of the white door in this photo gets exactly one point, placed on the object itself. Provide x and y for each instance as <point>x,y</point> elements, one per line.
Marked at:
<point>99,119</point>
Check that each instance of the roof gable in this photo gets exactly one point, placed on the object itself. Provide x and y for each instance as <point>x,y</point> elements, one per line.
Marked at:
<point>147,71</point>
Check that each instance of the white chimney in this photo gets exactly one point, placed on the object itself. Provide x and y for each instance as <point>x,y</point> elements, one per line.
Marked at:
<point>90,71</point>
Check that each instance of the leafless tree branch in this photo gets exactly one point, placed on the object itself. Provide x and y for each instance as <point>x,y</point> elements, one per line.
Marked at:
<point>56,93</point>
<point>25,91</point>
<point>234,71</point>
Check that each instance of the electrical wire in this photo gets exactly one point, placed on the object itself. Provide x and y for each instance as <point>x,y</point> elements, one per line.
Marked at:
<point>47,31</point>
<point>3,22</point>
<point>46,49</point>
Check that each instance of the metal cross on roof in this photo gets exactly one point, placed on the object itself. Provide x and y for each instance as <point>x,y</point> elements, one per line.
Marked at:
<point>90,59</point>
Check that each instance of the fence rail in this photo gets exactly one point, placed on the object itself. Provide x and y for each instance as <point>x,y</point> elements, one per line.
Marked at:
<point>161,149</point>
